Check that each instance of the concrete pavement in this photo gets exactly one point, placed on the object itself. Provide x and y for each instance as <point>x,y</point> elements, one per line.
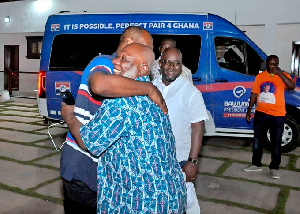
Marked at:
<point>30,181</point>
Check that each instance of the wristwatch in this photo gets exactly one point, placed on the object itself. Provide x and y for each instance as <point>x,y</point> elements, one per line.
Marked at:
<point>193,161</point>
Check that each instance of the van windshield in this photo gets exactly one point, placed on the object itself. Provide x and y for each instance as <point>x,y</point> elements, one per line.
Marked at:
<point>73,52</point>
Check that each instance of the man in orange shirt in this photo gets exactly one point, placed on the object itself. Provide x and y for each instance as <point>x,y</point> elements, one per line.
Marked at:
<point>269,113</point>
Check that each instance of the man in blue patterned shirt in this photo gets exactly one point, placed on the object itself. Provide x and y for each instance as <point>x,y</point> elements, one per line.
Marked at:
<point>78,167</point>
<point>137,168</point>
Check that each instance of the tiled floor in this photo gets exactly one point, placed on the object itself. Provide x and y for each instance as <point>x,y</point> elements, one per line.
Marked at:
<point>30,181</point>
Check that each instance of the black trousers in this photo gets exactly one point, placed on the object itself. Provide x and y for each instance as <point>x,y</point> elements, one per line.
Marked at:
<point>79,198</point>
<point>262,122</point>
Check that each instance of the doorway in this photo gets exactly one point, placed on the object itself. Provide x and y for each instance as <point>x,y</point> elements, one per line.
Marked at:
<point>11,68</point>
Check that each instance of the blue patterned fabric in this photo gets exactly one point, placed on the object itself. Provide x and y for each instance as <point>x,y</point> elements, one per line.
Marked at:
<point>137,168</point>
<point>76,163</point>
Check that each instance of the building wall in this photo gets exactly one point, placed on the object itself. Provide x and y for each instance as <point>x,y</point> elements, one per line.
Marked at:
<point>285,35</point>
<point>255,32</point>
<point>272,24</point>
<point>27,82</point>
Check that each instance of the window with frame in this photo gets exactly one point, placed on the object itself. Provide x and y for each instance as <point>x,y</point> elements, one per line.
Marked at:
<point>236,55</point>
<point>34,47</point>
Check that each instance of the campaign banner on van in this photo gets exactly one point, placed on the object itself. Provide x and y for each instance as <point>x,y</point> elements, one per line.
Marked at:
<point>236,108</point>
<point>124,25</point>
<point>62,87</point>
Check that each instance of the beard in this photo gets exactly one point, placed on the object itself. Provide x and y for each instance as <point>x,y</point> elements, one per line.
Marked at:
<point>170,79</point>
<point>131,73</point>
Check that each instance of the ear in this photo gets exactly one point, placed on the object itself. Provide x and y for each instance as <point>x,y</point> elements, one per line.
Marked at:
<point>143,70</point>
<point>129,40</point>
<point>159,50</point>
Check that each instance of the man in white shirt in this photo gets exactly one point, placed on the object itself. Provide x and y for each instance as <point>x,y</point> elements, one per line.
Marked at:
<point>187,113</point>
<point>156,72</point>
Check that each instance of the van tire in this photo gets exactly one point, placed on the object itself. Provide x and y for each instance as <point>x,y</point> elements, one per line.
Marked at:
<point>291,136</point>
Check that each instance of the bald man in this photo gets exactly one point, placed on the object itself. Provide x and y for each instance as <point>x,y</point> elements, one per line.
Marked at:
<point>156,71</point>
<point>78,167</point>
<point>137,169</point>
<point>187,113</point>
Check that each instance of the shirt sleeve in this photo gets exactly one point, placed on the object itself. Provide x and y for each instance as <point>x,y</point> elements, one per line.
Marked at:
<point>187,74</point>
<point>197,109</point>
<point>256,88</point>
<point>98,64</point>
<point>101,64</point>
<point>155,70</point>
<point>107,126</point>
<point>288,76</point>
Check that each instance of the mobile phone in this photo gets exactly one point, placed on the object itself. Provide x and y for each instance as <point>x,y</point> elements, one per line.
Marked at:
<point>67,97</point>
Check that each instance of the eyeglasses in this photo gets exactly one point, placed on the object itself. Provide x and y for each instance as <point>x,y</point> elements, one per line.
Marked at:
<point>175,64</point>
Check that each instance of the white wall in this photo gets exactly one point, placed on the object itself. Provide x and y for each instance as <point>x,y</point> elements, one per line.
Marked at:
<point>256,33</point>
<point>285,34</point>
<point>264,21</point>
<point>27,82</point>
<point>24,17</point>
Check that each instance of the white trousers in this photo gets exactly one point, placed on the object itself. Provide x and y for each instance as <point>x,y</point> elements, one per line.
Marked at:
<point>193,206</point>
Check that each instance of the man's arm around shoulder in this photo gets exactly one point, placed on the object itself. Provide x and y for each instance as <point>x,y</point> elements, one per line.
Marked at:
<point>107,85</point>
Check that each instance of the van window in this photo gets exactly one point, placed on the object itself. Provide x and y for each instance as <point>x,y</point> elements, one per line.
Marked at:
<point>236,55</point>
<point>189,46</point>
<point>73,52</point>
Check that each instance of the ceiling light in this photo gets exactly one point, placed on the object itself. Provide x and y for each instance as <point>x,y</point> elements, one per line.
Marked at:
<point>42,5</point>
<point>7,19</point>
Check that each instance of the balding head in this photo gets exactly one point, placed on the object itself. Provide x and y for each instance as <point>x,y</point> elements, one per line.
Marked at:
<point>135,34</point>
<point>172,52</point>
<point>134,60</point>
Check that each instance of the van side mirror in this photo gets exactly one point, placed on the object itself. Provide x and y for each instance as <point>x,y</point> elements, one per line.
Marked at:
<point>263,66</point>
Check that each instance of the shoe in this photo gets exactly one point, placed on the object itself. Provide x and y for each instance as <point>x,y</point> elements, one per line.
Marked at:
<point>274,174</point>
<point>253,168</point>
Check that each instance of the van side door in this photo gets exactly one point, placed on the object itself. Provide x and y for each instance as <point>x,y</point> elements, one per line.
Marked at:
<point>234,64</point>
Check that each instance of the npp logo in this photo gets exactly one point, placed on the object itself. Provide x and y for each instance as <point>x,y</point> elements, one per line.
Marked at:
<point>207,26</point>
<point>239,91</point>
<point>55,27</point>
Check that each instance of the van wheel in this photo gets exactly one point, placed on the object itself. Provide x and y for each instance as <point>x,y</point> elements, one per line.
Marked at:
<point>290,136</point>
